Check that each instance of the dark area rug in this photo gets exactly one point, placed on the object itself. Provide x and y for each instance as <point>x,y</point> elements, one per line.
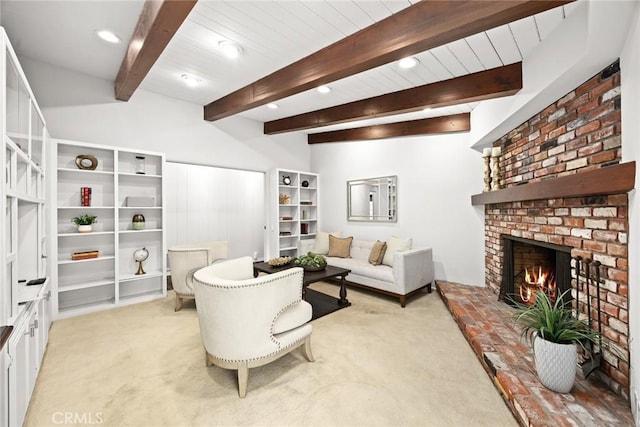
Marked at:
<point>322,304</point>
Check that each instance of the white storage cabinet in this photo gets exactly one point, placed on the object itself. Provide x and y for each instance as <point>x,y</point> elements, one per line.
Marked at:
<point>23,237</point>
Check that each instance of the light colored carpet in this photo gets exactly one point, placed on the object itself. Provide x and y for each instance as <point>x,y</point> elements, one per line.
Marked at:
<point>376,365</point>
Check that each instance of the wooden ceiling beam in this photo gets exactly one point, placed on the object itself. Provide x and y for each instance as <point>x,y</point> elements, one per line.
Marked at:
<point>158,22</point>
<point>445,124</point>
<point>417,28</point>
<point>494,83</point>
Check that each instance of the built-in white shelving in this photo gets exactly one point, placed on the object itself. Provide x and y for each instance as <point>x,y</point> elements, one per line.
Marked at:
<point>110,280</point>
<point>293,210</point>
<point>23,237</point>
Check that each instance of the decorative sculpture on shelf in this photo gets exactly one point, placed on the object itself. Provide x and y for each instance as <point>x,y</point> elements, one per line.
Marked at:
<point>284,199</point>
<point>486,155</point>
<point>495,168</point>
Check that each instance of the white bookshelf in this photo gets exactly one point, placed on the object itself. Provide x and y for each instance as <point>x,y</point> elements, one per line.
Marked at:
<point>88,285</point>
<point>295,218</point>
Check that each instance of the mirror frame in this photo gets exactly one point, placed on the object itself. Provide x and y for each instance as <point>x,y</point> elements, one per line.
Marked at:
<point>392,216</point>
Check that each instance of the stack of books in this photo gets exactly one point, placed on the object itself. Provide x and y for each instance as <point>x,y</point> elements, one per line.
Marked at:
<point>85,196</point>
<point>84,255</point>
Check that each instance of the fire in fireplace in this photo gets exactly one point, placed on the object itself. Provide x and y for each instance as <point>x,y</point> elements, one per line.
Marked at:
<point>531,267</point>
<point>537,279</point>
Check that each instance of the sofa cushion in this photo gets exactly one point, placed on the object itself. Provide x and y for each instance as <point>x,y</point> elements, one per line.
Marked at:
<point>377,252</point>
<point>339,247</point>
<point>362,267</point>
<point>322,242</point>
<point>395,244</point>
<point>361,249</point>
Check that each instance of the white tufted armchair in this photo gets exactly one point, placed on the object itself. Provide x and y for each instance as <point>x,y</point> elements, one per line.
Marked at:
<point>184,260</point>
<point>247,322</point>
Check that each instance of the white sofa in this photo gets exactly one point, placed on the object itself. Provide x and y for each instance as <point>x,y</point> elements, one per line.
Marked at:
<point>412,269</point>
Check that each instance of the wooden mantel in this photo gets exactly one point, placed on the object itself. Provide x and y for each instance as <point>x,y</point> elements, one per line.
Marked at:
<point>608,180</point>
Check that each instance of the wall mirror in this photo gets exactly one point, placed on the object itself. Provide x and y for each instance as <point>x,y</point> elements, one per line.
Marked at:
<point>372,199</point>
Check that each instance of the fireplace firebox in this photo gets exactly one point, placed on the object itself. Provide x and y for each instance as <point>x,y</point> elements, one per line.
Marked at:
<point>531,266</point>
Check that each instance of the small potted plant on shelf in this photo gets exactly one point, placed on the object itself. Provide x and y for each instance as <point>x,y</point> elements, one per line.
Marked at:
<point>84,222</point>
<point>311,262</point>
<point>554,333</point>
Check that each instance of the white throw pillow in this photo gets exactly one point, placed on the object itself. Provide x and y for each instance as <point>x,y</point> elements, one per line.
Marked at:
<point>395,244</point>
<point>322,242</point>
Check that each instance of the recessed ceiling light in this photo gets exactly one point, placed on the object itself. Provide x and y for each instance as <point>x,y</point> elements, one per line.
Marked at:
<point>230,49</point>
<point>324,89</point>
<point>190,80</point>
<point>426,109</point>
<point>108,36</point>
<point>272,106</point>
<point>408,62</point>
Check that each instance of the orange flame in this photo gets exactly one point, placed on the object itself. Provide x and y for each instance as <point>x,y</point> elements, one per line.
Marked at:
<point>537,281</point>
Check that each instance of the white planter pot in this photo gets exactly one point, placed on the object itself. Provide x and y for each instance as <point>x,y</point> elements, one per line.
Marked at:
<point>84,228</point>
<point>556,364</point>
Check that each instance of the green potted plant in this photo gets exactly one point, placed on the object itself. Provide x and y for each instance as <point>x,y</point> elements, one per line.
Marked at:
<point>311,262</point>
<point>84,222</point>
<point>554,333</point>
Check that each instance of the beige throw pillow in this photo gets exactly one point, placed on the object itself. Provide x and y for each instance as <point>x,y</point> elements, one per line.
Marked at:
<point>395,244</point>
<point>322,242</point>
<point>340,248</point>
<point>377,252</point>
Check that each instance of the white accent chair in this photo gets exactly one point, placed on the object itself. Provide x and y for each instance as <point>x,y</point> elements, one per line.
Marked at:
<point>184,260</point>
<point>247,322</point>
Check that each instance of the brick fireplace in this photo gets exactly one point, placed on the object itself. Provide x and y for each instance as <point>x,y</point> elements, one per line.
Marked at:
<point>577,134</point>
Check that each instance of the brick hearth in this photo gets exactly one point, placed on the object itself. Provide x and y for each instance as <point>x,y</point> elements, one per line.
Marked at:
<point>487,324</point>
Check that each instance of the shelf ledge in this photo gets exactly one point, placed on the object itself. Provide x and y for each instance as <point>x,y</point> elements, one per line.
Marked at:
<point>614,179</point>
<point>84,171</point>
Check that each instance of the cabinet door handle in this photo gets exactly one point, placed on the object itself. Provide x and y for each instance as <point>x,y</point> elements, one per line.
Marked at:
<point>47,296</point>
<point>35,323</point>
<point>32,332</point>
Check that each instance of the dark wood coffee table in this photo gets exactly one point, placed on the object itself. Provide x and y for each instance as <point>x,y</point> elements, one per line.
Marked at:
<point>330,272</point>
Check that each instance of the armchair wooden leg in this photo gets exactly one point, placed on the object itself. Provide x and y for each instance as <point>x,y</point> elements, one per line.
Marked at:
<point>178,303</point>
<point>307,349</point>
<point>207,361</point>
<point>243,379</point>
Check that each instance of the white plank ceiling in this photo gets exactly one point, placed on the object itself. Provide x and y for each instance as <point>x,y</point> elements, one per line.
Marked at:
<point>273,34</point>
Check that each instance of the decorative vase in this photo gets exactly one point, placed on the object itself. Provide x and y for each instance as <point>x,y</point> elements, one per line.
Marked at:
<point>85,228</point>
<point>313,268</point>
<point>555,364</point>
<point>138,222</point>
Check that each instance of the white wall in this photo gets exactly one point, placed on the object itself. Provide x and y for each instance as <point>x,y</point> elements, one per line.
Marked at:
<point>83,108</point>
<point>209,203</point>
<point>436,177</point>
<point>630,83</point>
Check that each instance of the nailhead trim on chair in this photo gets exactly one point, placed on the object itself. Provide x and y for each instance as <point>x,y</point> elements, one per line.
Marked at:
<point>266,355</point>
<point>246,286</point>
<point>273,322</point>
<point>190,274</point>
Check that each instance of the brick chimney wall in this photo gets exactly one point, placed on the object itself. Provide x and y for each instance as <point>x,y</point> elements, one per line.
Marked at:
<point>579,132</point>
